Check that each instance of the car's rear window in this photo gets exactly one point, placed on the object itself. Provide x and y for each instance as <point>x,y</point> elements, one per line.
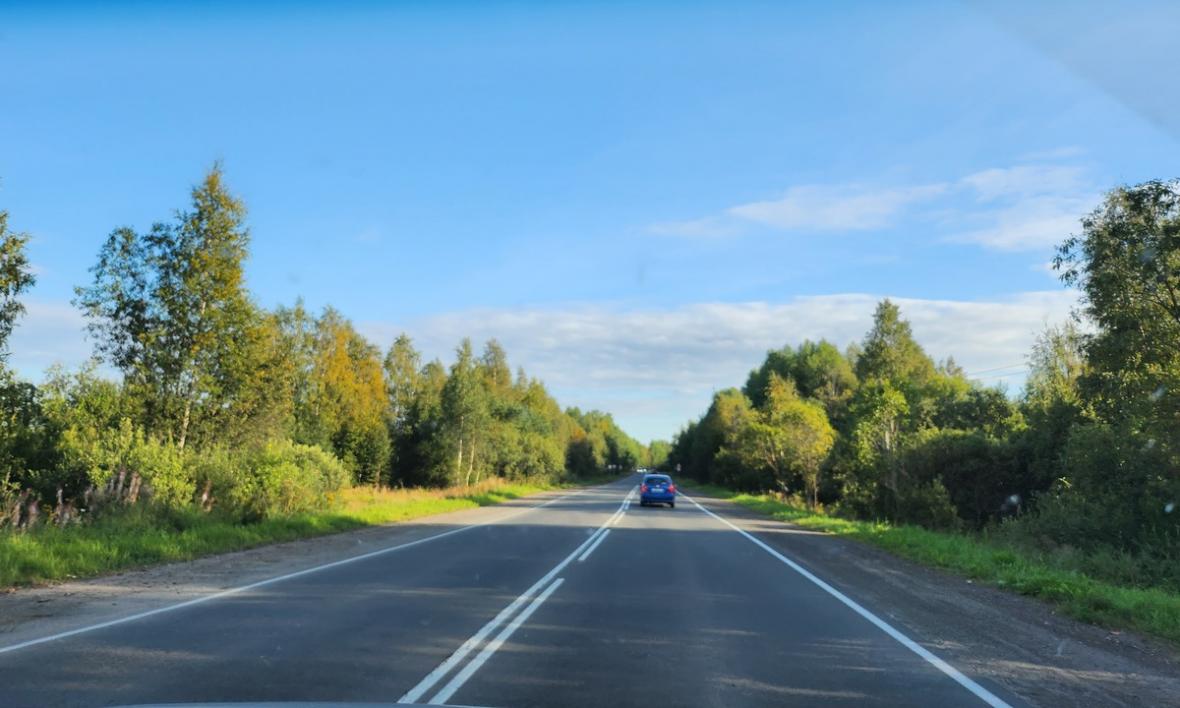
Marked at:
<point>656,480</point>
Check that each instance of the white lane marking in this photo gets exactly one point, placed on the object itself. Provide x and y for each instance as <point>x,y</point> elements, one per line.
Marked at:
<point>980,692</point>
<point>594,545</point>
<point>269,581</point>
<point>626,505</point>
<point>476,639</point>
<point>468,671</point>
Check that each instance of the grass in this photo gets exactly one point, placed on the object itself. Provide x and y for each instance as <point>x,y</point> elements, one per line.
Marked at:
<point>142,537</point>
<point>1150,611</point>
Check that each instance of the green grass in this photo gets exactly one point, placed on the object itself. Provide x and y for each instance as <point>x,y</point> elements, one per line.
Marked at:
<point>142,537</point>
<point>1151,611</point>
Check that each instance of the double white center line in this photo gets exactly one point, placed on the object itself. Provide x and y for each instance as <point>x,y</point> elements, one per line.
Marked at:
<point>530,599</point>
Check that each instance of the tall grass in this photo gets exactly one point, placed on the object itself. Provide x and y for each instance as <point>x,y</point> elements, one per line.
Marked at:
<point>140,536</point>
<point>1150,610</point>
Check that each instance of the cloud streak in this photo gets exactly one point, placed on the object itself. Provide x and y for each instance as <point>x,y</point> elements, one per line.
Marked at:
<point>1024,207</point>
<point>836,208</point>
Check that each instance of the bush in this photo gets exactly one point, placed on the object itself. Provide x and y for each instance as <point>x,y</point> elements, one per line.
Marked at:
<point>117,455</point>
<point>928,505</point>
<point>165,469</point>
<point>271,479</point>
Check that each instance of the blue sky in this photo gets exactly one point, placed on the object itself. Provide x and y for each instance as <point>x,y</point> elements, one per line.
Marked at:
<point>637,199</point>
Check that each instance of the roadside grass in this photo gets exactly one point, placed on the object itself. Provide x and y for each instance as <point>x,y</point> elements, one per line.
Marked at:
<point>1151,611</point>
<point>142,536</point>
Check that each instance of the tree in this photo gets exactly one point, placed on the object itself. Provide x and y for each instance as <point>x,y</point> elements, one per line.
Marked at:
<point>657,454</point>
<point>494,367</point>
<point>1126,262</point>
<point>298,345</point>
<point>818,370</point>
<point>1052,401</point>
<point>890,352</point>
<point>15,278</point>
<point>727,415</point>
<point>421,455</point>
<point>350,397</point>
<point>402,379</point>
<point>790,437</point>
<point>878,411</point>
<point>465,412</point>
<point>170,309</point>
<point>779,362</point>
<point>1122,448</point>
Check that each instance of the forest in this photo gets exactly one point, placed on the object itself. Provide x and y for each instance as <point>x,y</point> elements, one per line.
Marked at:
<point>1082,462</point>
<point>198,398</point>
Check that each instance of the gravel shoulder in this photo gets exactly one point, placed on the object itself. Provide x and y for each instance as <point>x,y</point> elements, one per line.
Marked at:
<point>1020,643</point>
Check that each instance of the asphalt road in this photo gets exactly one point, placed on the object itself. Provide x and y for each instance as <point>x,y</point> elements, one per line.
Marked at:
<point>586,600</point>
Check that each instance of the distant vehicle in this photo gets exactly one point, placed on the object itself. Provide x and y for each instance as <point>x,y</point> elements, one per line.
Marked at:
<point>657,489</point>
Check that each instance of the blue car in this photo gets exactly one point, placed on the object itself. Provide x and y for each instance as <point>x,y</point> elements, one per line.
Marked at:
<point>657,489</point>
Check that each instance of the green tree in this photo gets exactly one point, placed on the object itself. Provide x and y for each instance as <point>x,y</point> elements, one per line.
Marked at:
<point>1126,262</point>
<point>403,378</point>
<point>727,415</point>
<point>818,370</point>
<point>15,278</point>
<point>789,437</point>
<point>890,352</point>
<point>465,413</point>
<point>26,447</point>
<point>879,411</point>
<point>1052,402</point>
<point>421,456</point>
<point>170,309</point>
<point>657,454</point>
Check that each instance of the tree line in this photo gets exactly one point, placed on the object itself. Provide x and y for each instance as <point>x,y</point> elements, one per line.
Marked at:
<point>222,404</point>
<point>1085,459</point>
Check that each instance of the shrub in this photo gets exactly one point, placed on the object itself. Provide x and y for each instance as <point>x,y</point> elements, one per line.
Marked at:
<point>270,479</point>
<point>117,455</point>
<point>928,505</point>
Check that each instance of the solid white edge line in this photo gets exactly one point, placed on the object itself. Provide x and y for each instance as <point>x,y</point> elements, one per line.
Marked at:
<point>602,536</point>
<point>268,581</point>
<point>476,639</point>
<point>979,691</point>
<point>468,671</point>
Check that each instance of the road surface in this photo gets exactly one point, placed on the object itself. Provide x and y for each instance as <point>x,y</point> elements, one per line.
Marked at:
<point>576,599</point>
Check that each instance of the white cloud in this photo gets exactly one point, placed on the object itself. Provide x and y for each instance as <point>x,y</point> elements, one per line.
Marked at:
<point>48,333</point>
<point>1022,207</point>
<point>1026,207</point>
<point>657,368</point>
<point>1026,181</point>
<point>836,208</point>
<point>1032,223</point>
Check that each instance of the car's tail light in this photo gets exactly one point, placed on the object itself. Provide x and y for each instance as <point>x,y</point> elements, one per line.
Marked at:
<point>672,488</point>
<point>642,488</point>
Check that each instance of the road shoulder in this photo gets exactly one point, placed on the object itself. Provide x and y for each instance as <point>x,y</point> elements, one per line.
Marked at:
<point>1016,642</point>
